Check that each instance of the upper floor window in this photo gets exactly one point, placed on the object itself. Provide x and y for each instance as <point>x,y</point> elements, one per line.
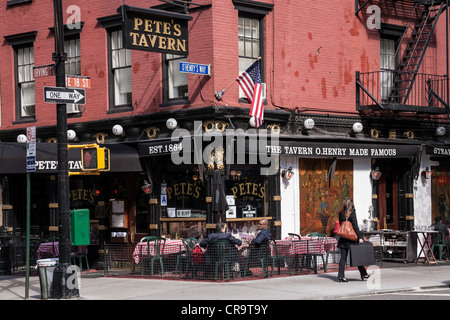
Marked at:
<point>22,45</point>
<point>25,100</point>
<point>175,83</point>
<point>249,44</point>
<point>73,66</point>
<point>120,72</point>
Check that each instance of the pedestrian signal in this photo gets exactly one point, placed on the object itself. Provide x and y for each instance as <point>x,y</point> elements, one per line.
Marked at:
<point>95,159</point>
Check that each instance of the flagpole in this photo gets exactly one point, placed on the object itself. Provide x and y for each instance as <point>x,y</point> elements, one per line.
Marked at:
<point>220,94</point>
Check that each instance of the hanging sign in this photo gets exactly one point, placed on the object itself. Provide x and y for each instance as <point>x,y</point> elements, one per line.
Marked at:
<point>155,30</point>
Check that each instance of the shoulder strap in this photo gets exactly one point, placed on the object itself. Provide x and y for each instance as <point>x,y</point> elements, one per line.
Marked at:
<point>348,216</point>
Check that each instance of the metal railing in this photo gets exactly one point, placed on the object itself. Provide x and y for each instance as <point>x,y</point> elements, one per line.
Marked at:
<point>390,90</point>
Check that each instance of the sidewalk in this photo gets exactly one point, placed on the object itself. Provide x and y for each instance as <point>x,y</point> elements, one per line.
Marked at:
<point>94,286</point>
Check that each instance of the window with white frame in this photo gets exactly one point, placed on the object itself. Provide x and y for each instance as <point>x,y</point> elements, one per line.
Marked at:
<point>25,81</point>
<point>73,66</point>
<point>177,82</point>
<point>387,66</point>
<point>249,44</point>
<point>120,71</point>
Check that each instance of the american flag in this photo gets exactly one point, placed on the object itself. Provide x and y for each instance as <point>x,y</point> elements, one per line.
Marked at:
<point>250,83</point>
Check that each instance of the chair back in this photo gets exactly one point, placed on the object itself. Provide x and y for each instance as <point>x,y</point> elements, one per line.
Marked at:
<point>158,244</point>
<point>439,240</point>
<point>187,246</point>
<point>293,235</point>
<point>317,236</point>
<point>274,246</point>
<point>145,239</point>
<point>218,250</point>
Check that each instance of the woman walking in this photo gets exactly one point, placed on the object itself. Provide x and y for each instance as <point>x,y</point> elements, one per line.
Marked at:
<point>348,213</point>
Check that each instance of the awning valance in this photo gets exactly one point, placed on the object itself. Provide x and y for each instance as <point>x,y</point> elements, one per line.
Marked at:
<point>123,158</point>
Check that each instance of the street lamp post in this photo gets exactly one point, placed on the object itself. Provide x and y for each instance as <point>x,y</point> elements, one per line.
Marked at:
<point>61,287</point>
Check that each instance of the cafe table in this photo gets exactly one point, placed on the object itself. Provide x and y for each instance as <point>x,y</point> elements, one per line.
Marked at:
<point>305,246</point>
<point>148,249</point>
<point>425,241</point>
<point>52,248</point>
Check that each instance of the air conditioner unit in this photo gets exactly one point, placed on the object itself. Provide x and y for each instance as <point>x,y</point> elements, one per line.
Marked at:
<point>73,108</point>
<point>263,90</point>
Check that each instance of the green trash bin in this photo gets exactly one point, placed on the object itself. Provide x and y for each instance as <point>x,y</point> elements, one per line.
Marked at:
<point>46,268</point>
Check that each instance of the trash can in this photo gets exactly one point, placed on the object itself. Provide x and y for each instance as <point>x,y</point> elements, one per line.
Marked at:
<point>46,267</point>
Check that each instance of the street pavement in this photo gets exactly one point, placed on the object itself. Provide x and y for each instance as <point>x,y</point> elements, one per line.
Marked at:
<point>321,286</point>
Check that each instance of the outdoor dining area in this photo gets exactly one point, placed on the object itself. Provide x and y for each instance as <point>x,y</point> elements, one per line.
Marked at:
<point>186,259</point>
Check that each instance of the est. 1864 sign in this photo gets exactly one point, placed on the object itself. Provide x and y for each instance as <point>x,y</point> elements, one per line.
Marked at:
<point>155,30</point>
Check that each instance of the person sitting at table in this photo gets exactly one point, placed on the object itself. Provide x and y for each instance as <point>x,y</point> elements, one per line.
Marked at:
<point>210,244</point>
<point>439,226</point>
<point>260,245</point>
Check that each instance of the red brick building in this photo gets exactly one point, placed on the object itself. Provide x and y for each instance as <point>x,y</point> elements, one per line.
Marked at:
<point>384,66</point>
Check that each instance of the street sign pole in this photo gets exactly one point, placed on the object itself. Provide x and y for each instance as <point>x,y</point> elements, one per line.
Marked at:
<point>61,286</point>
<point>31,167</point>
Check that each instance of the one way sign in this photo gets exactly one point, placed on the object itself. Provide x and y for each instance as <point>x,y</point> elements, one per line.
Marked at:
<point>64,95</point>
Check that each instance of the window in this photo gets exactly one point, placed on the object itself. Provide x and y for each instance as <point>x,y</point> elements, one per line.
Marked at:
<point>175,83</point>
<point>120,85</point>
<point>387,66</point>
<point>25,82</point>
<point>73,66</point>
<point>249,44</point>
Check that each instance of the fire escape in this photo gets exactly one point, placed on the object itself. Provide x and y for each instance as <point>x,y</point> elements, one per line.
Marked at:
<point>405,89</point>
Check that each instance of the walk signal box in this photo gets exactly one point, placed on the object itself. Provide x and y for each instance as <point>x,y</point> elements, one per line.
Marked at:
<point>95,159</point>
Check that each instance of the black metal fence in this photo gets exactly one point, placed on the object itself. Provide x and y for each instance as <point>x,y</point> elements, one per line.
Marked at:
<point>220,262</point>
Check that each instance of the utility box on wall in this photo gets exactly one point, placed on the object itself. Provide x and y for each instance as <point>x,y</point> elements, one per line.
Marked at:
<point>80,227</point>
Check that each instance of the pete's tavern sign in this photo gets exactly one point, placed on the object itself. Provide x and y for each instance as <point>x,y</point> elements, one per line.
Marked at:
<point>155,30</point>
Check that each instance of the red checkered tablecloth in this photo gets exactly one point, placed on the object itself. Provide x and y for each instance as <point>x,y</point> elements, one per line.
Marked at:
<point>52,248</point>
<point>170,247</point>
<point>304,246</point>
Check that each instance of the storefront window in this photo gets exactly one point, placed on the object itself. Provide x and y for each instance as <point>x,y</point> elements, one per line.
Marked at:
<point>183,204</point>
<point>440,191</point>
<point>246,193</point>
<point>321,193</point>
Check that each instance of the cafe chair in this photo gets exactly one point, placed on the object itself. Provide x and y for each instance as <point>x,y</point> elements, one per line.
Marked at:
<point>218,255</point>
<point>158,245</point>
<point>186,257</point>
<point>313,256</point>
<point>293,235</point>
<point>79,257</point>
<point>439,244</point>
<point>258,255</point>
<point>276,257</point>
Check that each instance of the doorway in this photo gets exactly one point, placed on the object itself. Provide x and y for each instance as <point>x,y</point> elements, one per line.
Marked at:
<point>395,193</point>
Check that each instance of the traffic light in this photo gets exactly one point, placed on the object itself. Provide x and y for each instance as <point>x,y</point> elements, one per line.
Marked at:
<point>95,159</point>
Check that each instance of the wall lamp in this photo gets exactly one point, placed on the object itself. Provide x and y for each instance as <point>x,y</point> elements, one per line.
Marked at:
<point>308,123</point>
<point>171,124</point>
<point>71,135</point>
<point>426,173</point>
<point>357,127</point>
<point>252,122</point>
<point>287,174</point>
<point>440,131</point>
<point>21,138</point>
<point>117,130</point>
<point>375,174</point>
<point>147,187</point>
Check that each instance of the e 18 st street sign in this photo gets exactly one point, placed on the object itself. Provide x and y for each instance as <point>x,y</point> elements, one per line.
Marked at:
<point>64,95</point>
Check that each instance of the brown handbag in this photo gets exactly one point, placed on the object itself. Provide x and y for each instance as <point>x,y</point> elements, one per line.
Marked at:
<point>346,230</point>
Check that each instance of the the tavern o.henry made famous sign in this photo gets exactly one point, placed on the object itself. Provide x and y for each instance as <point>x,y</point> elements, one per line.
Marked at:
<point>155,30</point>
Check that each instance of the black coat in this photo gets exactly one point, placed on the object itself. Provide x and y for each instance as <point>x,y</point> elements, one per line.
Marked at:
<point>345,243</point>
<point>214,237</point>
